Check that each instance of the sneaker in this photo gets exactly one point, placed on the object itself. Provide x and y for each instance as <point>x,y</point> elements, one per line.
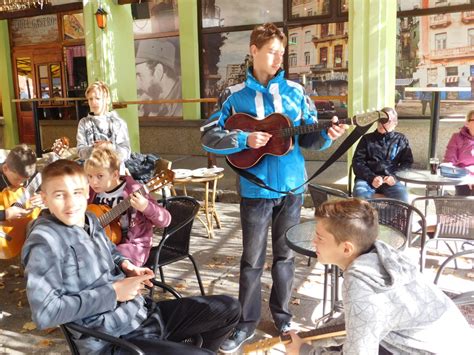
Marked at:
<point>284,327</point>
<point>235,340</point>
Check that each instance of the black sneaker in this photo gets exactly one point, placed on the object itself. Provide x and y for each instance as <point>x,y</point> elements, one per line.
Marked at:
<point>235,340</point>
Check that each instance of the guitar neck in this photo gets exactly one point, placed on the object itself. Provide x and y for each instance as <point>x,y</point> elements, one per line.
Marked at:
<point>117,210</point>
<point>310,128</point>
<point>315,334</point>
<point>34,184</point>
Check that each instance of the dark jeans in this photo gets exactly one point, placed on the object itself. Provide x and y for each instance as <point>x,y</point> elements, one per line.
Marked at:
<point>213,317</point>
<point>364,190</point>
<point>464,190</point>
<point>257,215</point>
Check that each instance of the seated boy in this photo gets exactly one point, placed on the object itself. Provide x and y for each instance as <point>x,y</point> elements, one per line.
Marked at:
<point>75,274</point>
<point>387,302</point>
<point>109,188</point>
<point>18,168</point>
<point>378,156</point>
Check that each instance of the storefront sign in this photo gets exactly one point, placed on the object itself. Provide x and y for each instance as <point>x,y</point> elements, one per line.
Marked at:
<point>32,30</point>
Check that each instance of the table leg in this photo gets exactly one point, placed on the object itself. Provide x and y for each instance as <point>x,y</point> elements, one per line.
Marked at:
<point>213,205</point>
<point>206,210</point>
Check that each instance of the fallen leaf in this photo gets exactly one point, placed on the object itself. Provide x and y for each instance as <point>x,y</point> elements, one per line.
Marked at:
<point>296,301</point>
<point>50,330</point>
<point>19,304</point>
<point>29,326</point>
<point>45,343</point>
<point>2,285</point>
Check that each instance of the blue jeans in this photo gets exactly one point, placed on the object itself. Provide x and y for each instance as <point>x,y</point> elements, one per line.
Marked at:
<point>363,189</point>
<point>257,215</point>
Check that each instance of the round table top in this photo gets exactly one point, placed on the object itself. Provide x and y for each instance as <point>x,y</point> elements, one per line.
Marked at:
<point>424,177</point>
<point>300,237</point>
<point>206,178</point>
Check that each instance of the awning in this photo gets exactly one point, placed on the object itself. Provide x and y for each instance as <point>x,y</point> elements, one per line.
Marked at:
<point>403,82</point>
<point>452,79</point>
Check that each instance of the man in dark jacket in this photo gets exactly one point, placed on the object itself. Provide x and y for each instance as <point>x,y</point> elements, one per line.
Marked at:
<point>378,156</point>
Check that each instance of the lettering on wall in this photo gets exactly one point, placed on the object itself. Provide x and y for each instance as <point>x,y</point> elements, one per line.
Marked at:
<point>32,30</point>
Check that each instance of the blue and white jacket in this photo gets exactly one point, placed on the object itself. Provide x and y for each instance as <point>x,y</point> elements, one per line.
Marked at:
<point>282,173</point>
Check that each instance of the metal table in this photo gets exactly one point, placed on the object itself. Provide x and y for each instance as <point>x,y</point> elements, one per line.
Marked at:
<point>424,177</point>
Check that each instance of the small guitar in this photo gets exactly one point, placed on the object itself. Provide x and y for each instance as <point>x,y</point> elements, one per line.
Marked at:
<point>315,334</point>
<point>109,217</point>
<point>13,232</point>
<point>282,131</point>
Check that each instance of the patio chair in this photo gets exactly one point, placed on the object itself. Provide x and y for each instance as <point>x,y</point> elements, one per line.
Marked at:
<point>403,217</point>
<point>70,331</point>
<point>351,181</point>
<point>320,194</point>
<point>174,244</point>
<point>450,219</point>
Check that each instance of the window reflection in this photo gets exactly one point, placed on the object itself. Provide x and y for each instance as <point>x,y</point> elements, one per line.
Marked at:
<point>25,82</point>
<point>308,8</point>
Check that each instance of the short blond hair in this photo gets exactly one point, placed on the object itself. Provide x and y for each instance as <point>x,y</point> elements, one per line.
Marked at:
<point>101,87</point>
<point>103,157</point>
<point>351,220</point>
<point>22,161</point>
<point>469,115</point>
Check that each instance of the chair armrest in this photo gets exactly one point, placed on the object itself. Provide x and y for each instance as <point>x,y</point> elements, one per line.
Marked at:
<point>166,287</point>
<point>106,337</point>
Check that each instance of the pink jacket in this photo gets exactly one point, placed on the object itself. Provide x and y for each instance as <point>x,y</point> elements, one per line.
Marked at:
<point>138,242</point>
<point>460,150</point>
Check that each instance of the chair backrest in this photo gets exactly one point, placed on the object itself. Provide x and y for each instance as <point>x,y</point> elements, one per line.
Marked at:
<point>453,215</point>
<point>177,235</point>
<point>399,215</point>
<point>320,194</point>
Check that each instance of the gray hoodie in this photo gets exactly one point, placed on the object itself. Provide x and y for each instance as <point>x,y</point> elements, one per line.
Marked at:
<point>388,302</point>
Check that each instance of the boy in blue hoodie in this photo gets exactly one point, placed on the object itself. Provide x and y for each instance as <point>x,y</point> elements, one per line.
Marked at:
<point>266,91</point>
<point>387,302</point>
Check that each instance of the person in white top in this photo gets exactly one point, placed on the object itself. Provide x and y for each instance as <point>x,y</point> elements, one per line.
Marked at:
<point>101,125</point>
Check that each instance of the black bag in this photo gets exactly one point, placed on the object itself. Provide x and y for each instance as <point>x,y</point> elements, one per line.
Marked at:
<point>141,166</point>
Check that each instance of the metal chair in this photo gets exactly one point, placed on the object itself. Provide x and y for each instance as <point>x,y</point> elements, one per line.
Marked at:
<point>174,244</point>
<point>401,216</point>
<point>451,219</point>
<point>320,194</point>
<point>70,329</point>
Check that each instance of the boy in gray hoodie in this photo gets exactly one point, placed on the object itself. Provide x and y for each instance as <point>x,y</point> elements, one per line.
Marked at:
<point>75,274</point>
<point>387,302</point>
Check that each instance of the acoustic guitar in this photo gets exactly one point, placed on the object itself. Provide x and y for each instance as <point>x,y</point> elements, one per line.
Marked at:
<point>315,334</point>
<point>13,232</point>
<point>109,218</point>
<point>282,131</point>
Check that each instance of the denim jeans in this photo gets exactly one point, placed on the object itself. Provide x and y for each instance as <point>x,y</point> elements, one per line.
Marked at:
<point>257,215</point>
<point>169,322</point>
<point>363,189</point>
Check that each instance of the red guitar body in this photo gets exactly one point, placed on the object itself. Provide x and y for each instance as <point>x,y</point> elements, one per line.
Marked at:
<point>277,145</point>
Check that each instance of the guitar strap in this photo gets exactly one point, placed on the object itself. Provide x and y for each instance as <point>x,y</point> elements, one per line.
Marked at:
<point>345,145</point>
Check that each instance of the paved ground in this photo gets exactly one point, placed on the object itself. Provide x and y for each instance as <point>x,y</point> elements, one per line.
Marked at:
<point>219,264</point>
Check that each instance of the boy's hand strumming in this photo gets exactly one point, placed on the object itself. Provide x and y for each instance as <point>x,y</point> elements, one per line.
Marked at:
<point>128,288</point>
